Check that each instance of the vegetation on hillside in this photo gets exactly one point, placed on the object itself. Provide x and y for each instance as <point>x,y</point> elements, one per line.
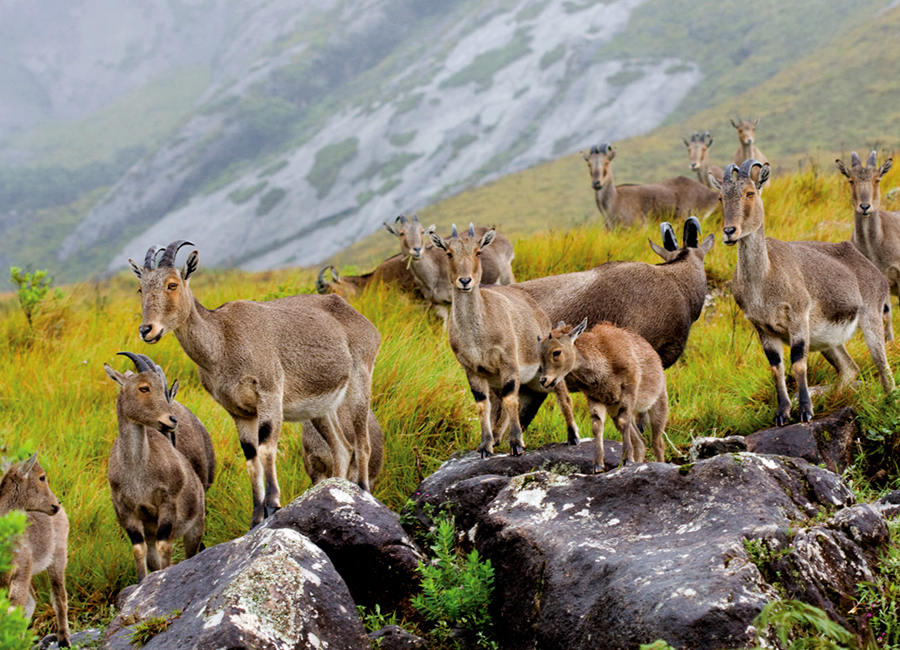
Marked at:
<point>56,397</point>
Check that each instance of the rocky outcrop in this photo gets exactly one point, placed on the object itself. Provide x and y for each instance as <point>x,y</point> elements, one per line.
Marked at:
<point>270,590</point>
<point>827,440</point>
<point>688,554</point>
<point>361,536</point>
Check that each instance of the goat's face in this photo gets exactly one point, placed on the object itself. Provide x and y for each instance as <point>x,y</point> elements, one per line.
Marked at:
<point>557,352</point>
<point>865,183</point>
<point>144,399</point>
<point>166,298</point>
<point>337,285</point>
<point>698,151</point>
<point>464,257</point>
<point>411,235</point>
<point>742,205</point>
<point>599,162</point>
<point>746,130</point>
<point>26,486</point>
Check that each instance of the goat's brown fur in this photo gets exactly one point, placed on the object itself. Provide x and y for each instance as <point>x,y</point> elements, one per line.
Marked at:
<point>617,370</point>
<point>43,545</point>
<point>291,359</point>
<point>746,132</point>
<point>698,153</point>
<point>809,295</point>
<point>317,456</point>
<point>626,205</point>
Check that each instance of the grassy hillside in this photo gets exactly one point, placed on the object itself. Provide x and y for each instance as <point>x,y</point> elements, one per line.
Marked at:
<point>55,397</point>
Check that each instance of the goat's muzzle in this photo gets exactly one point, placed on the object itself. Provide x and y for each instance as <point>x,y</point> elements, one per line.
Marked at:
<point>465,284</point>
<point>546,382</point>
<point>864,209</point>
<point>694,165</point>
<point>147,335</point>
<point>416,253</point>
<point>597,185</point>
<point>729,236</point>
<point>55,508</point>
<point>168,427</point>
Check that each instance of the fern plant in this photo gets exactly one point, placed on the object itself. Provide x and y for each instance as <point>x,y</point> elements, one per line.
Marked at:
<point>13,624</point>
<point>456,592</point>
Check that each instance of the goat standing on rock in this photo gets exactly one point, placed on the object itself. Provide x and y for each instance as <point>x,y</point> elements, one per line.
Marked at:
<point>493,333</point>
<point>160,467</point>
<point>296,358</point>
<point>617,370</point>
<point>808,295</point>
<point>42,546</point>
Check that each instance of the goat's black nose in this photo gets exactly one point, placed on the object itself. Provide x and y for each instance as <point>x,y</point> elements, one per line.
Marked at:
<point>174,420</point>
<point>417,251</point>
<point>144,330</point>
<point>865,207</point>
<point>465,281</point>
<point>729,231</point>
<point>597,185</point>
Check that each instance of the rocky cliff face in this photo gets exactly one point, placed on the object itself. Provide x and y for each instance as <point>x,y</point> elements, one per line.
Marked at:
<point>322,123</point>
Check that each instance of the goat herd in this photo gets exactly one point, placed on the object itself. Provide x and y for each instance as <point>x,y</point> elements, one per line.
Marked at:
<point>309,358</point>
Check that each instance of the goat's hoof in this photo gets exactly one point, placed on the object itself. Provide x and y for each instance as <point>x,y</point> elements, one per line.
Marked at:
<point>598,468</point>
<point>485,453</point>
<point>573,438</point>
<point>516,449</point>
<point>780,420</point>
<point>270,510</point>
<point>805,414</point>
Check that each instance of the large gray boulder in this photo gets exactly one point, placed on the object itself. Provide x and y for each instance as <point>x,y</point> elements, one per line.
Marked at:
<point>657,551</point>
<point>270,590</point>
<point>361,536</point>
<point>826,440</point>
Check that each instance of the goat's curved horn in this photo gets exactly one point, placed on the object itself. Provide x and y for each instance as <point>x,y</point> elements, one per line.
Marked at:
<point>595,149</point>
<point>871,161</point>
<point>168,258</point>
<point>453,232</point>
<point>695,137</point>
<point>747,166</point>
<point>691,232</point>
<point>150,257</point>
<point>471,229</point>
<point>730,171</point>
<point>321,284</point>
<point>141,362</point>
<point>401,219</point>
<point>670,243</point>
<point>415,218</point>
<point>854,160</point>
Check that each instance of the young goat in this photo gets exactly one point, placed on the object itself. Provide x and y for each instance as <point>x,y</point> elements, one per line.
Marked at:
<point>291,359</point>
<point>808,295</point>
<point>157,492</point>
<point>617,370</point>
<point>746,131</point>
<point>317,455</point>
<point>627,205</point>
<point>429,264</point>
<point>876,232</point>
<point>493,333</point>
<point>43,544</point>
<point>698,152</point>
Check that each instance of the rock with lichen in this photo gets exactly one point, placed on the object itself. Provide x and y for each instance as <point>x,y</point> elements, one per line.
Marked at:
<point>272,589</point>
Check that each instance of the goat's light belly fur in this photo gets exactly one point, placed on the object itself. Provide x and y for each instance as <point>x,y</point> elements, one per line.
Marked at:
<point>315,406</point>
<point>832,334</point>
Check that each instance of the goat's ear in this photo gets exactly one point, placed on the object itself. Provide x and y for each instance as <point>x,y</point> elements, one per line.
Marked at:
<point>585,155</point>
<point>841,168</point>
<point>430,229</point>
<point>173,391</point>
<point>335,275</point>
<point>709,144</point>
<point>756,122</point>
<point>114,374</point>
<point>886,166</point>
<point>686,143</point>
<point>707,244</point>
<point>193,261</point>
<point>610,153</point>
<point>659,250</point>
<point>28,465</point>
<point>438,241</point>
<point>390,229</point>
<point>715,180</point>
<point>137,270</point>
<point>764,173</point>
<point>487,238</point>
<point>578,331</point>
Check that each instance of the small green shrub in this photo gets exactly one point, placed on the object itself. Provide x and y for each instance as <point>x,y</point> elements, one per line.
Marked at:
<point>32,289</point>
<point>151,627</point>
<point>799,626</point>
<point>329,161</point>
<point>456,592</point>
<point>625,77</point>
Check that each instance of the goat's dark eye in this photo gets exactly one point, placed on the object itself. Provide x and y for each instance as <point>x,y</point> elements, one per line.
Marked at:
<point>477,253</point>
<point>43,478</point>
<point>144,389</point>
<point>139,290</point>
<point>173,286</point>
<point>750,193</point>
<point>450,255</point>
<point>556,353</point>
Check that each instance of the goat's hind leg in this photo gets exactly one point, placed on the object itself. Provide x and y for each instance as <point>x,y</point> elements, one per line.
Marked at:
<point>509,402</point>
<point>480,391</point>
<point>57,573</point>
<point>843,364</point>
<point>249,437</point>
<point>658,415</point>
<point>598,419</point>
<point>269,420</point>
<point>873,332</point>
<point>773,349</point>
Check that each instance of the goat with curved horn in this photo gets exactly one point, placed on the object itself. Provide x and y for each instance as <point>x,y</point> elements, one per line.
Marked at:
<point>626,205</point>
<point>808,295</point>
<point>291,359</point>
<point>150,257</point>
<point>876,232</point>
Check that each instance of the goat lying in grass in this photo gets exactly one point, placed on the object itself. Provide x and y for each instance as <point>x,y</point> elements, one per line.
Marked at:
<point>618,371</point>
<point>42,546</point>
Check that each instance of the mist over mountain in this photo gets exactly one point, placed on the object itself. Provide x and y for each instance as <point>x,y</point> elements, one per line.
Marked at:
<point>276,133</point>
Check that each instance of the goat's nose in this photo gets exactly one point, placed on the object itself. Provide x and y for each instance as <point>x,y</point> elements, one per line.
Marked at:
<point>693,165</point>
<point>465,281</point>
<point>55,508</point>
<point>543,381</point>
<point>417,251</point>
<point>597,185</point>
<point>145,330</point>
<point>729,231</point>
<point>173,420</point>
<point>865,207</point>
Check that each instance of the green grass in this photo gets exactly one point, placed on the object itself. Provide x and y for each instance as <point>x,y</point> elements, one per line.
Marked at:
<point>55,396</point>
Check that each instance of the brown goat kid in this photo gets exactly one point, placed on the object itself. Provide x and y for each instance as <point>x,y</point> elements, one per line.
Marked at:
<point>698,153</point>
<point>43,545</point>
<point>617,371</point>
<point>876,232</point>
<point>291,359</point>
<point>627,205</point>
<point>809,295</point>
<point>493,333</point>
<point>429,264</point>
<point>160,466</point>
<point>746,132</point>
<point>393,271</point>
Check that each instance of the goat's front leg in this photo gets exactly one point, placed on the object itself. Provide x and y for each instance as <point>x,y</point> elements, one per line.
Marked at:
<point>249,436</point>
<point>509,402</point>
<point>269,421</point>
<point>799,354</point>
<point>773,348</point>
<point>20,580</point>
<point>480,390</point>
<point>598,419</point>
<point>565,405</point>
<point>165,531</point>
<point>57,573</point>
